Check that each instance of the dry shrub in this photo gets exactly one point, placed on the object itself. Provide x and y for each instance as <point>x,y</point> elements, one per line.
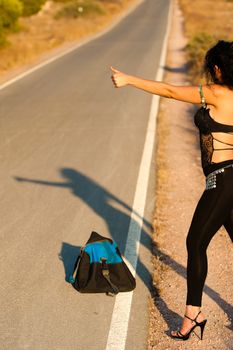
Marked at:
<point>30,7</point>
<point>80,8</point>
<point>10,11</point>
<point>196,50</point>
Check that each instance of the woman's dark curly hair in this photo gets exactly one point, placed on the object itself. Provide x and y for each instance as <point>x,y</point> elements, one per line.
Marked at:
<point>220,55</point>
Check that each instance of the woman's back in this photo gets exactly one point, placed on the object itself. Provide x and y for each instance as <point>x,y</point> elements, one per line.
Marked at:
<point>222,112</point>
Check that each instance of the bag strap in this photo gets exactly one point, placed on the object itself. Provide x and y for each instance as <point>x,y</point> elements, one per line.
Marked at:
<point>203,101</point>
<point>106,275</point>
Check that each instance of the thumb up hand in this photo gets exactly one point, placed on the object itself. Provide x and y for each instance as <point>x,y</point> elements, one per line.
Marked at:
<point>119,79</point>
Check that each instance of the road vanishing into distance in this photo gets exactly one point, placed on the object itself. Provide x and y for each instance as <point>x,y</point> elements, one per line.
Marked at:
<point>70,151</point>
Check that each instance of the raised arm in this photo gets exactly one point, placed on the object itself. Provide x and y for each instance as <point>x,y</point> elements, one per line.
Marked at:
<point>182,93</point>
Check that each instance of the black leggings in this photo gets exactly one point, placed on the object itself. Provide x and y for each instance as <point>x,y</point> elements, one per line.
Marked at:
<point>214,209</point>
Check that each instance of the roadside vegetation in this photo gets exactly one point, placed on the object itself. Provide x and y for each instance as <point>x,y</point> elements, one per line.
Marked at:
<point>205,22</point>
<point>30,29</point>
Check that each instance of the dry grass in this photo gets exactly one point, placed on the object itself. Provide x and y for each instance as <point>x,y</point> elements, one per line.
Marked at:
<point>208,16</point>
<point>42,32</point>
<point>205,22</point>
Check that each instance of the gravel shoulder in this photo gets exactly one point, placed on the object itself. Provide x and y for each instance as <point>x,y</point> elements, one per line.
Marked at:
<point>180,183</point>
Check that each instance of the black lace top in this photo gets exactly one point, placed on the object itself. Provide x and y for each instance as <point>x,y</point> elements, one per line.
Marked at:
<point>207,127</point>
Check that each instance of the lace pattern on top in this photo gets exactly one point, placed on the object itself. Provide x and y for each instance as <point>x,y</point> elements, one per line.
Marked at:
<point>207,149</point>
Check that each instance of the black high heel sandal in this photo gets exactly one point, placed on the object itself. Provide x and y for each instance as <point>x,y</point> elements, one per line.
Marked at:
<point>186,336</point>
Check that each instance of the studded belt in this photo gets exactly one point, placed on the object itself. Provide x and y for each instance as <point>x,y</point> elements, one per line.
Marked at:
<point>211,179</point>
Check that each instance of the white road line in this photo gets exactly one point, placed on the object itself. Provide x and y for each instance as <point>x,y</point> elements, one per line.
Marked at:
<point>74,47</point>
<point>121,311</point>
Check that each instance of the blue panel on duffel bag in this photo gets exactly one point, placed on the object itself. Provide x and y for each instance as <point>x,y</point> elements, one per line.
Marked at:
<point>105,249</point>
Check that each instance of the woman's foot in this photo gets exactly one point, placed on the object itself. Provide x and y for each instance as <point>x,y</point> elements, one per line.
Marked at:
<point>192,313</point>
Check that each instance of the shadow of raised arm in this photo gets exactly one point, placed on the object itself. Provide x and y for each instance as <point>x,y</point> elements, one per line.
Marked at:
<point>41,182</point>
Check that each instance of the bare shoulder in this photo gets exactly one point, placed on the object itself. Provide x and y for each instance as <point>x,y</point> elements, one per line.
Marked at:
<point>215,92</point>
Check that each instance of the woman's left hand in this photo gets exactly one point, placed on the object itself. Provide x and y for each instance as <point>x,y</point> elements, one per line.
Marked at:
<point>119,79</point>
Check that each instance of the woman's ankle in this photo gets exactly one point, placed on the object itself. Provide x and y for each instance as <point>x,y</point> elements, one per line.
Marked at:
<point>192,311</point>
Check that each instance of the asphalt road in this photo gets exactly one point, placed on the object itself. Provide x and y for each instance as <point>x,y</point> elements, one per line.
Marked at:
<point>70,151</point>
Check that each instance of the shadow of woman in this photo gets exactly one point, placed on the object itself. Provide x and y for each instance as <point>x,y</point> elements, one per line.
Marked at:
<point>107,206</point>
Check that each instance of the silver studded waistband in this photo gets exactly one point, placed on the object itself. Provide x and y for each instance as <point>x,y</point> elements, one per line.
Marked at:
<point>211,179</point>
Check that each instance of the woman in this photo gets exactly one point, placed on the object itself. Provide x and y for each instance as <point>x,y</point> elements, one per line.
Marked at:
<point>215,207</point>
